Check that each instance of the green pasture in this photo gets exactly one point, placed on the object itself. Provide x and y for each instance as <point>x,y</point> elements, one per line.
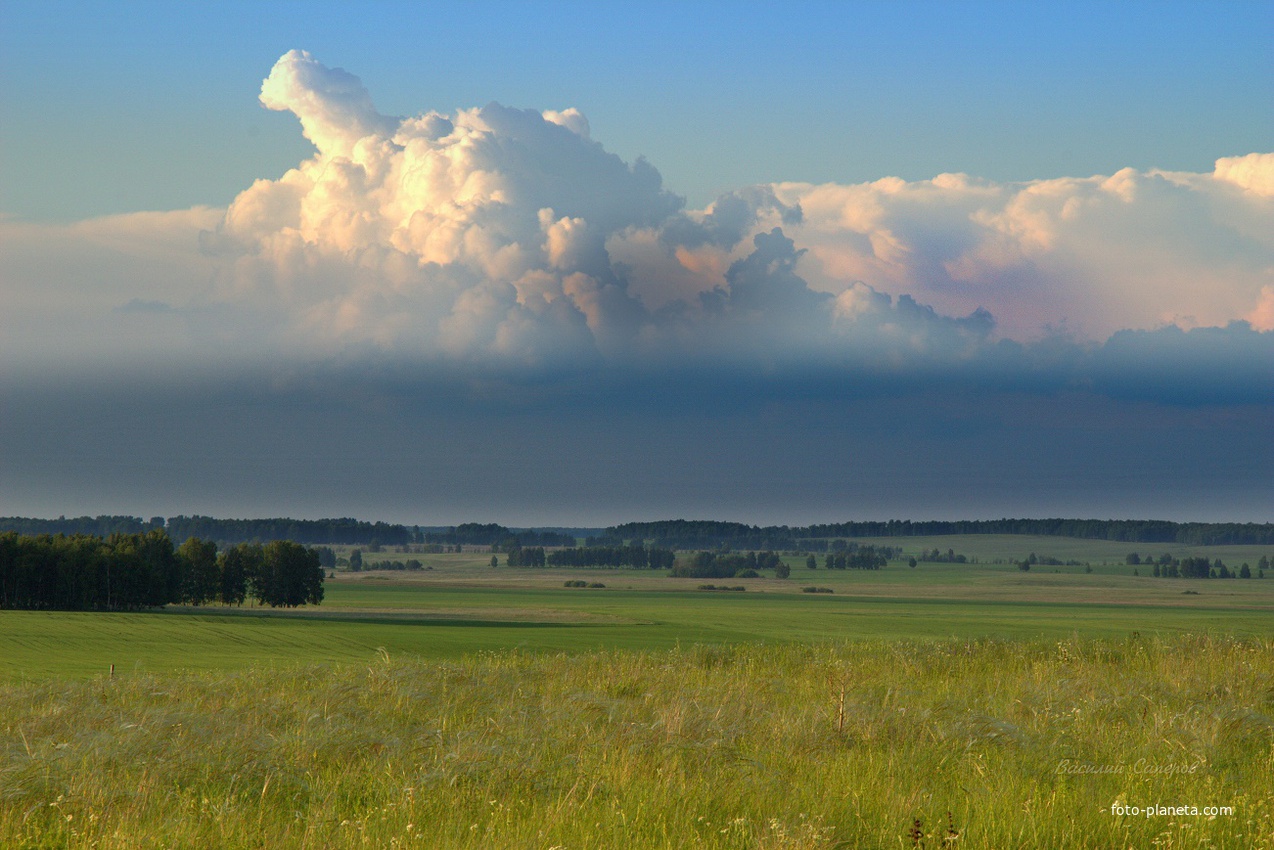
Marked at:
<point>461,706</point>
<point>864,744</point>
<point>463,606</point>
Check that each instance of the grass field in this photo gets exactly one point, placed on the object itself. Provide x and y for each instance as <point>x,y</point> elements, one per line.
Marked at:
<point>865,744</point>
<point>465,706</point>
<point>462,605</point>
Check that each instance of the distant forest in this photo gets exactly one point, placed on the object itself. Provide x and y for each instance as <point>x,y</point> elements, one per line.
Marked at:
<point>685,534</point>
<point>307,531</point>
<point>669,534</point>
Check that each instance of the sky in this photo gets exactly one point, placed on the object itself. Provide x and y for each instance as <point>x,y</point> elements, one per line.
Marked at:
<point>553,264</point>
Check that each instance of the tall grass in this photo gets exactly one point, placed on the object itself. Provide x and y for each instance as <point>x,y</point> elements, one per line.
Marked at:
<point>895,744</point>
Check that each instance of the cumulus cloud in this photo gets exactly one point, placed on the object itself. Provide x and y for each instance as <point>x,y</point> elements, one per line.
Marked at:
<point>1093,255</point>
<point>1254,172</point>
<point>504,235</point>
<point>510,239</point>
<point>479,234</point>
<point>335,109</point>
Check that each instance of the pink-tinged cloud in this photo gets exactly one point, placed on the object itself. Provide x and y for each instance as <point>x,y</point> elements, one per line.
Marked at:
<point>1254,172</point>
<point>1093,255</point>
<point>499,237</point>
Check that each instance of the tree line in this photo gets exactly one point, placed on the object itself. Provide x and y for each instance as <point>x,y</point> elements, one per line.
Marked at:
<point>692,534</point>
<point>670,534</point>
<point>99,526</point>
<point>130,572</point>
<point>225,531</point>
<point>344,530</point>
<point>1134,531</point>
<point>309,532</point>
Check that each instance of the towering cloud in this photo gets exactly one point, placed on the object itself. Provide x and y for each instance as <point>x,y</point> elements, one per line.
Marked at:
<point>508,239</point>
<point>480,234</point>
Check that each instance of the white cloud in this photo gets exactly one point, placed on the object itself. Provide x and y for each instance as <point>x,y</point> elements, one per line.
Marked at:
<point>1254,172</point>
<point>336,112</point>
<point>500,234</point>
<point>503,237</point>
<point>454,234</point>
<point>571,118</point>
<point>1096,255</point>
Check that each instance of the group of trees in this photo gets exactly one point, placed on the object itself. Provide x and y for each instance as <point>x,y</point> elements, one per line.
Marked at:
<point>725,565</point>
<point>1169,567</point>
<point>1166,566</point>
<point>356,564</point>
<point>1047,561</point>
<point>635,556</point>
<point>327,558</point>
<point>532,556</point>
<point>937,556</point>
<point>857,558</point>
<point>132,571</point>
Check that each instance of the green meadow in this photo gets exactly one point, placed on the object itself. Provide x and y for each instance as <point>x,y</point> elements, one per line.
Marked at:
<point>461,605</point>
<point>945,705</point>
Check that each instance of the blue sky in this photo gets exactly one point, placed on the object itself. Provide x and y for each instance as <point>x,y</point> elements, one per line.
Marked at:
<point>120,107</point>
<point>562,264</point>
